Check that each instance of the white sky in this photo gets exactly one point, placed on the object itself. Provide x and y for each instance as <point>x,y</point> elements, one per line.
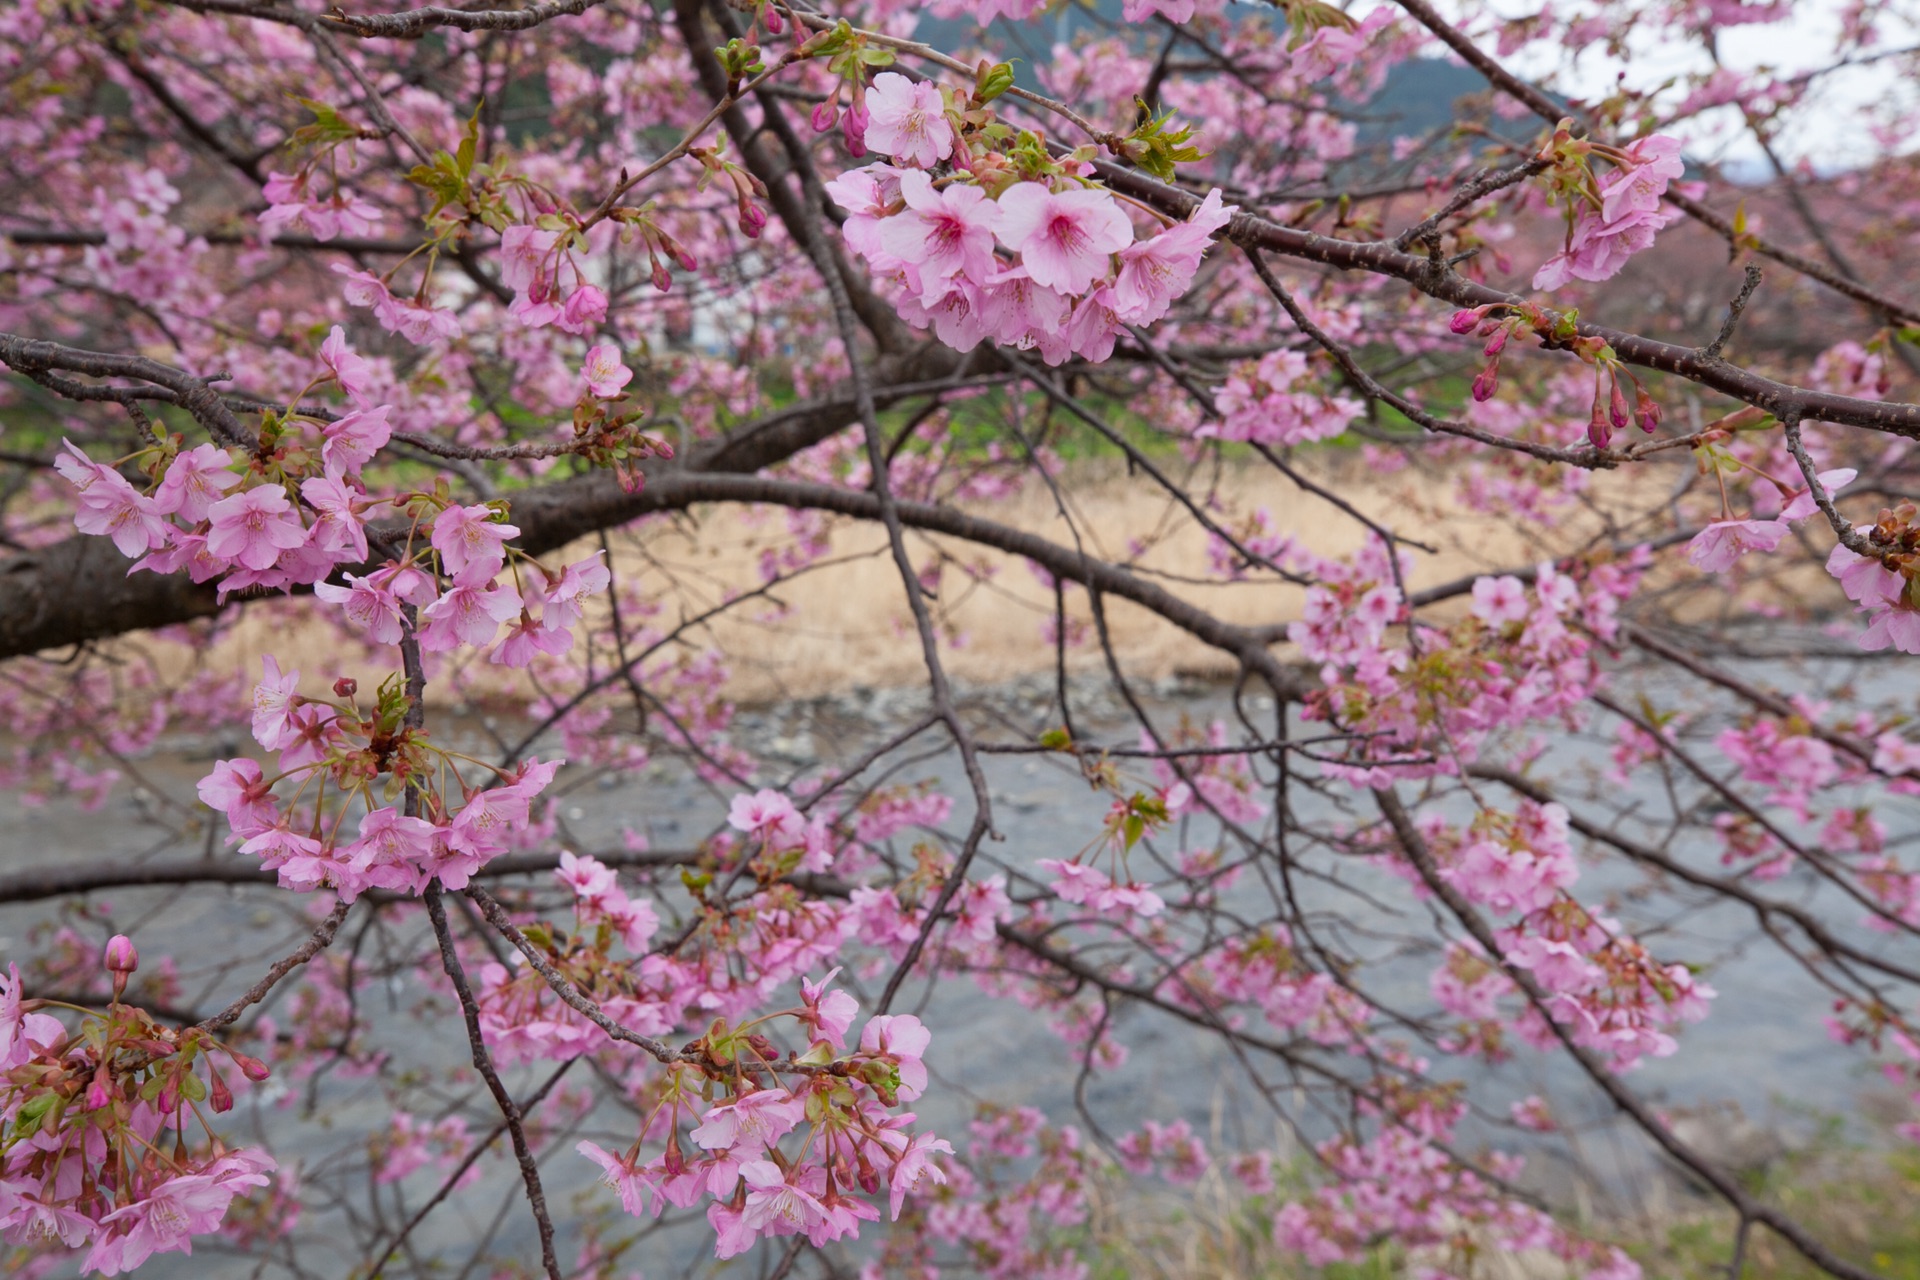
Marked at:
<point>1828,131</point>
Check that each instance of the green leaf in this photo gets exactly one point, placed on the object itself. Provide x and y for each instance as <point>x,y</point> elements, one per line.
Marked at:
<point>1156,146</point>
<point>469,143</point>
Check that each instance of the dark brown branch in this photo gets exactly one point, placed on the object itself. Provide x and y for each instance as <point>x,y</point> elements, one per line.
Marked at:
<point>1381,258</point>
<point>30,356</point>
<point>32,238</point>
<point>414,23</point>
<point>483,1063</point>
<point>43,883</point>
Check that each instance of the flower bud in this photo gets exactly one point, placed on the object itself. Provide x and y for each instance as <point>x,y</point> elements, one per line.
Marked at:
<point>752,219</point>
<point>854,125</point>
<point>1649,414</point>
<point>98,1095</point>
<point>221,1096</point>
<point>1498,342</point>
<point>1598,429</point>
<point>121,955</point>
<point>825,115</point>
<point>250,1067</point>
<point>775,23</point>
<point>1464,321</point>
<point>1486,382</point>
<point>993,82</point>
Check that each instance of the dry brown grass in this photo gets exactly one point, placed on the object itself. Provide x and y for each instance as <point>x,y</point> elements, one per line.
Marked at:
<point>847,624</point>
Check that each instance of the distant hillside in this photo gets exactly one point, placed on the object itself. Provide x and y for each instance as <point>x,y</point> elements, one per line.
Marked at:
<point>1418,96</point>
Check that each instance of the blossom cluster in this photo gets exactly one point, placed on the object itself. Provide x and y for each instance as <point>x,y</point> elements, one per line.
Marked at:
<point>106,1146</point>
<point>1611,218</point>
<point>1268,403</point>
<point>1074,275</point>
<point>775,1159</point>
<point>336,743</point>
<point>295,509</point>
<point>1882,586</point>
<point>1521,656</point>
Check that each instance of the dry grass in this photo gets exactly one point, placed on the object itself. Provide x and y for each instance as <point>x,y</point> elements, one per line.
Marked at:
<point>847,623</point>
<point>1865,1205</point>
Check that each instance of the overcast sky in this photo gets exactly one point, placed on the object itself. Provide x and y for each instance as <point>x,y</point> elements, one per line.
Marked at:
<point>1827,132</point>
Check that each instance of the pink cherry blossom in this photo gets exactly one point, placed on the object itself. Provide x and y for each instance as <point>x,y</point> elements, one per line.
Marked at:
<point>913,1164</point>
<point>367,605</point>
<point>1597,249</point>
<point>524,253</point>
<point>942,233</point>
<point>765,811</point>
<point>112,507</point>
<point>253,528</point>
<point>1894,628</point>
<point>1803,504</point>
<point>392,850</point>
<point>752,1124</point>
<point>908,120</point>
<point>563,598</point>
<point>1064,239</point>
<point>195,480</point>
<point>1867,582</point>
<point>776,1206</point>
<point>273,701</point>
<point>632,1184</point>
<point>351,371</point>
<point>526,639</point>
<point>1154,272</point>
<point>362,288</point>
<point>469,613</point>
<point>238,789</point>
<point>1500,600</point>
<point>829,1013</point>
<point>901,1039</point>
<point>603,371</point>
<point>1716,547</point>
<point>351,441</point>
<point>585,310</point>
<point>339,528</point>
<point>470,538</point>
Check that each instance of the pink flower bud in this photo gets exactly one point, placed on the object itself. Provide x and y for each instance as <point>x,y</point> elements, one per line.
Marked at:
<point>775,23</point>
<point>1598,429</point>
<point>752,219</point>
<point>98,1095</point>
<point>661,280</point>
<point>1498,342</point>
<point>825,115</point>
<point>1649,414</point>
<point>121,955</point>
<point>1617,409</point>
<point>1486,382</point>
<point>854,125</point>
<point>250,1067</point>
<point>221,1096</point>
<point>1464,321</point>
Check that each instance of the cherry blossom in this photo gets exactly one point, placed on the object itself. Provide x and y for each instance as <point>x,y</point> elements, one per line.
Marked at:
<point>908,120</point>
<point>1064,239</point>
